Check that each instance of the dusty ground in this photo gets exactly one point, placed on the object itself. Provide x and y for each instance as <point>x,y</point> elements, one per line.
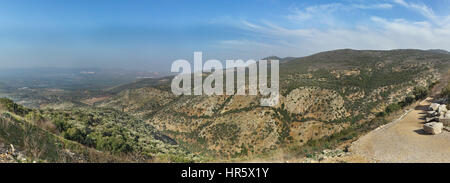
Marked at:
<point>404,141</point>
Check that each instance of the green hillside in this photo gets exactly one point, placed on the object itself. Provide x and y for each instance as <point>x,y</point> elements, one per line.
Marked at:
<point>85,135</point>
<point>323,94</point>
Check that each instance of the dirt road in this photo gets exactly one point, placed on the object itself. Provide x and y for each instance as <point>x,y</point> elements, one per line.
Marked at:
<point>404,141</point>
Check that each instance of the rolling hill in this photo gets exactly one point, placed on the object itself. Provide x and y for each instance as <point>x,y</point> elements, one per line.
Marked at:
<point>327,98</point>
<point>322,95</point>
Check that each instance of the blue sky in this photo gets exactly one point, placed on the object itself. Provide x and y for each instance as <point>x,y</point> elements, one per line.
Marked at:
<point>150,35</point>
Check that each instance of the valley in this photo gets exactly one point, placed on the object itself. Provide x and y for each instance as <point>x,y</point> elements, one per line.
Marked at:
<point>328,100</point>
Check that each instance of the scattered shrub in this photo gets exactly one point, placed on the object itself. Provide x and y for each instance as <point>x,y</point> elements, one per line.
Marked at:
<point>392,108</point>
<point>420,92</point>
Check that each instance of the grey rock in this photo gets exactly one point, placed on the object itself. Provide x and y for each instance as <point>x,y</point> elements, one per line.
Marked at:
<point>445,120</point>
<point>434,107</point>
<point>442,109</point>
<point>430,119</point>
<point>433,128</point>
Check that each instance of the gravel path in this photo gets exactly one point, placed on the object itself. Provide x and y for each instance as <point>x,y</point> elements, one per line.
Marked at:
<point>404,141</point>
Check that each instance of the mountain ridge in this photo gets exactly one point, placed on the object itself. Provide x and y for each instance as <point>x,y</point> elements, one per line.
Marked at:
<point>337,89</point>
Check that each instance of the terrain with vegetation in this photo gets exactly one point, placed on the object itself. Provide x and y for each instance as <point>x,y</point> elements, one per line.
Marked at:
<point>327,99</point>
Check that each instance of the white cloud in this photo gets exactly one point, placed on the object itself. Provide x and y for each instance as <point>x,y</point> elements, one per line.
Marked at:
<point>373,6</point>
<point>375,32</point>
<point>401,2</point>
<point>427,12</point>
<point>326,10</point>
<point>313,11</point>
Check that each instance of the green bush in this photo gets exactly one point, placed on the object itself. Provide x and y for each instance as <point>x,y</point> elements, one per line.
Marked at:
<point>113,144</point>
<point>381,114</point>
<point>392,108</point>
<point>61,125</point>
<point>75,134</point>
<point>420,92</point>
<point>13,107</point>
<point>409,100</point>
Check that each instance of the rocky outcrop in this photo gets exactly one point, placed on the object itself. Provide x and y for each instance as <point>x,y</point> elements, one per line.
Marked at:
<point>316,103</point>
<point>9,154</point>
<point>325,155</point>
<point>438,113</point>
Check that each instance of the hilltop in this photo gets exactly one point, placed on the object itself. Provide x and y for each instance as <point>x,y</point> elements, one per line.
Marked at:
<point>439,51</point>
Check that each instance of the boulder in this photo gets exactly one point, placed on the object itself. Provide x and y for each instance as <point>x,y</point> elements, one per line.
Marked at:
<point>434,107</point>
<point>433,128</point>
<point>445,120</point>
<point>430,119</point>
<point>442,109</point>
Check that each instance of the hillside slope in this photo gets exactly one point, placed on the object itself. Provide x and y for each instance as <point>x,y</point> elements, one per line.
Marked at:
<point>322,94</point>
<point>85,135</point>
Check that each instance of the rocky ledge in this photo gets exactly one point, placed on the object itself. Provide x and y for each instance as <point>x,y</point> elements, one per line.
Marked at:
<point>9,154</point>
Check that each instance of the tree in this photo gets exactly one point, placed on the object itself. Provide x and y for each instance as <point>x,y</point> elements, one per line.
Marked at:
<point>75,134</point>
<point>61,125</point>
<point>409,99</point>
<point>381,114</point>
<point>392,108</point>
<point>420,92</point>
<point>115,144</point>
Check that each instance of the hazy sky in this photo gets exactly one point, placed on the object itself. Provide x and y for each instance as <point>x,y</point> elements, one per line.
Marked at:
<point>150,35</point>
